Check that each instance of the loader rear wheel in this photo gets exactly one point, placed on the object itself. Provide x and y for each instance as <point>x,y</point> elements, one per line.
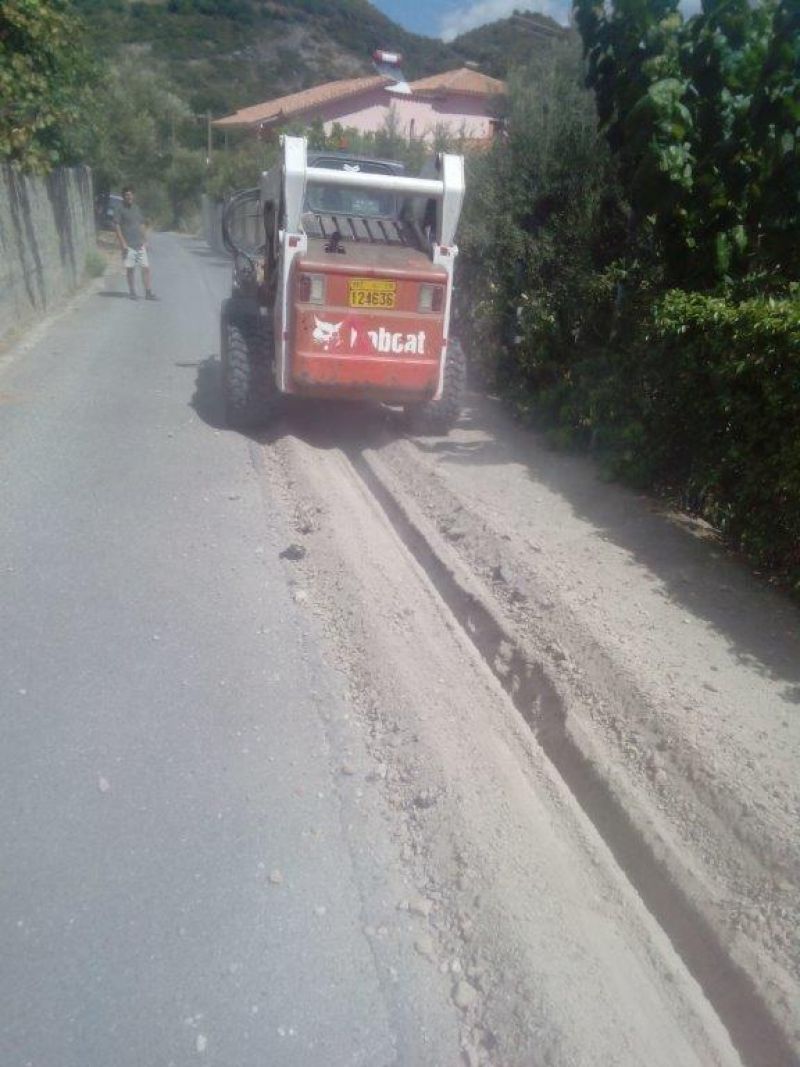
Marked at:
<point>248,379</point>
<point>440,416</point>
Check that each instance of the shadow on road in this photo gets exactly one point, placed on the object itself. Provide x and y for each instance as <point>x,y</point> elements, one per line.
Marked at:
<point>325,424</point>
<point>207,398</point>
<point>696,571</point>
<point>198,247</point>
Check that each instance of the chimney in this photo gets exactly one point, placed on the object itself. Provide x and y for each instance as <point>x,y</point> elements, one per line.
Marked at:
<point>387,64</point>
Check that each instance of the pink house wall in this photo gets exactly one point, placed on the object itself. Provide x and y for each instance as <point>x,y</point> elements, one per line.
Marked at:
<point>416,116</point>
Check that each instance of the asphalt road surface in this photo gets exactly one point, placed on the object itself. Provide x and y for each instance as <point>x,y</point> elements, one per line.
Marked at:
<point>182,878</point>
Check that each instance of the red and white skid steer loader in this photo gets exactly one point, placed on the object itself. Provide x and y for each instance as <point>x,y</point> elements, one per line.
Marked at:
<point>343,287</point>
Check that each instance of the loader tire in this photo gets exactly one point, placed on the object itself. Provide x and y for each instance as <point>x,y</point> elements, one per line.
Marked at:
<point>440,416</point>
<point>248,380</point>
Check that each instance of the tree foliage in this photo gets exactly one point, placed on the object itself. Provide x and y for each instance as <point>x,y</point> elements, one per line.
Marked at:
<point>45,79</point>
<point>631,258</point>
<point>703,116</point>
<point>508,43</point>
<point>239,166</point>
<point>542,225</point>
<point>139,120</point>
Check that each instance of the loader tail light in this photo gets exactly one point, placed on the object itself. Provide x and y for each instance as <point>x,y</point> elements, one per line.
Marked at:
<point>311,288</point>
<point>431,297</point>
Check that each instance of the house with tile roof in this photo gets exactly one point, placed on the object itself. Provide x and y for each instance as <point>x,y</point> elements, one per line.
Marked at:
<point>461,102</point>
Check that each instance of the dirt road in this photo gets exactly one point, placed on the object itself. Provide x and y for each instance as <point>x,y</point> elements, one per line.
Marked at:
<point>628,776</point>
<point>520,703</point>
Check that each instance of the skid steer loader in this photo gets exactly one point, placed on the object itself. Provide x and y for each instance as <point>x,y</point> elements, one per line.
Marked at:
<point>342,287</point>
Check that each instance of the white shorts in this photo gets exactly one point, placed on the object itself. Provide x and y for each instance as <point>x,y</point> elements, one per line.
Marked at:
<point>136,257</point>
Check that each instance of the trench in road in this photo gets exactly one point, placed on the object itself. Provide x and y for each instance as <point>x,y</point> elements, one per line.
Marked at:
<point>754,1031</point>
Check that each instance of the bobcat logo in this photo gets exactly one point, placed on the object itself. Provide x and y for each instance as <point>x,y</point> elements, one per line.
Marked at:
<point>351,335</point>
<point>327,334</point>
<point>347,334</point>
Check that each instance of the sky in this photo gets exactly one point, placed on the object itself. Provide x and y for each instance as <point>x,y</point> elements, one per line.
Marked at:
<point>448,18</point>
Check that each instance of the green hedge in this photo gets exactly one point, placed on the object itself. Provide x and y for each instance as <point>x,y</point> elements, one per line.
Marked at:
<point>691,395</point>
<point>713,411</point>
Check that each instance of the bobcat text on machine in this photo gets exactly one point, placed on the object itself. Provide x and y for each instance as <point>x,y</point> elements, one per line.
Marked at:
<point>346,289</point>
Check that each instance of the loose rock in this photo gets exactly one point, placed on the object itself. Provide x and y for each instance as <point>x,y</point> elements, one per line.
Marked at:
<point>470,1056</point>
<point>420,906</point>
<point>293,552</point>
<point>464,995</point>
<point>425,947</point>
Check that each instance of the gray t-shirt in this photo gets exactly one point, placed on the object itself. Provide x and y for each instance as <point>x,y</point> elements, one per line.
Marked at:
<point>131,221</point>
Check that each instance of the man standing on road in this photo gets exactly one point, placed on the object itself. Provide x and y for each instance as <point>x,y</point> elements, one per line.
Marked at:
<point>130,230</point>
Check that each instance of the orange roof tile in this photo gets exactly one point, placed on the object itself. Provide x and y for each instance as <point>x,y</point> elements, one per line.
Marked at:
<point>296,103</point>
<point>462,80</point>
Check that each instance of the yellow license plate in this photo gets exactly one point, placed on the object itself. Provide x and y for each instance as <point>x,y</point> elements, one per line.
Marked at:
<point>372,293</point>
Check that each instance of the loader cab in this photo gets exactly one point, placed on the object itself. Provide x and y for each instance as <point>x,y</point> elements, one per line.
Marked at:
<point>348,203</point>
<point>352,214</point>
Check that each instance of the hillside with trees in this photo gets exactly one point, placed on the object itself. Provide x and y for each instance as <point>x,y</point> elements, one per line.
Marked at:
<point>506,44</point>
<point>129,86</point>
<point>224,54</point>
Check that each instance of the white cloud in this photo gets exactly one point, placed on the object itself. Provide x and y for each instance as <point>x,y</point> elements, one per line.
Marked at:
<point>461,19</point>
<point>466,18</point>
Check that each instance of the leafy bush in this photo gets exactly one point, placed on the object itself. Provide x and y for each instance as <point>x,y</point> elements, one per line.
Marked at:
<point>239,167</point>
<point>719,396</point>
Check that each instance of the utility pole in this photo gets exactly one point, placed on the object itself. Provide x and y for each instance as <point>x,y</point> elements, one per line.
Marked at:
<point>210,141</point>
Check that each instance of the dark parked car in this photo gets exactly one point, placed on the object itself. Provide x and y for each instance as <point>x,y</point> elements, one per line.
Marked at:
<point>104,210</point>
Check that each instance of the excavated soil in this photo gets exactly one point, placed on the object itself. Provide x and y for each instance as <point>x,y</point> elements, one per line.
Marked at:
<point>582,718</point>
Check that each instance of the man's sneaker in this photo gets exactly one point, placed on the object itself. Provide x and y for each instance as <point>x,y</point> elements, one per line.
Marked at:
<point>150,295</point>
<point>132,296</point>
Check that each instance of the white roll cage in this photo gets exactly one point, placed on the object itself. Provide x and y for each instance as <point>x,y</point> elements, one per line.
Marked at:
<point>447,190</point>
